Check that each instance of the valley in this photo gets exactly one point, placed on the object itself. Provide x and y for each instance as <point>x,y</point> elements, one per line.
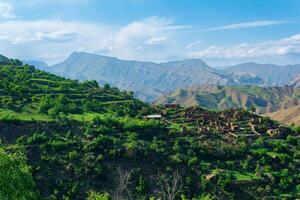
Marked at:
<point>66,139</point>
<point>191,82</point>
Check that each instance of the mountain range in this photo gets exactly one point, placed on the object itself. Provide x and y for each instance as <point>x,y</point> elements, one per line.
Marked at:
<point>270,88</point>
<point>272,75</point>
<point>147,79</point>
<point>150,80</point>
<point>65,139</point>
<point>280,103</point>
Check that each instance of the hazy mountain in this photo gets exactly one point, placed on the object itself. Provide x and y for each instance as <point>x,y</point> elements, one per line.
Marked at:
<point>265,99</point>
<point>269,73</point>
<point>4,60</point>
<point>148,80</point>
<point>37,63</point>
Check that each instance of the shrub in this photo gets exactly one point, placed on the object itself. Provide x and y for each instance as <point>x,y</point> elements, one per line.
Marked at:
<point>16,181</point>
<point>97,196</point>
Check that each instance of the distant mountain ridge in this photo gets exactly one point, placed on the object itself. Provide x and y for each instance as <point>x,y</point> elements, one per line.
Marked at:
<point>37,63</point>
<point>151,80</point>
<point>272,75</point>
<point>148,80</point>
<point>265,99</point>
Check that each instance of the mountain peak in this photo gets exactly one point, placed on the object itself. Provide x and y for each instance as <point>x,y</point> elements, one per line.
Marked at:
<point>86,54</point>
<point>147,79</point>
<point>192,63</point>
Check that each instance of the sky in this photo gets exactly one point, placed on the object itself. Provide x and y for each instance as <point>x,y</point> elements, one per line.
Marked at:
<point>220,32</point>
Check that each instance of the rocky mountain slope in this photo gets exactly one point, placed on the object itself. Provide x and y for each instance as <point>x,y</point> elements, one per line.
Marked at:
<point>265,99</point>
<point>272,75</point>
<point>148,80</point>
<point>288,116</point>
<point>296,81</point>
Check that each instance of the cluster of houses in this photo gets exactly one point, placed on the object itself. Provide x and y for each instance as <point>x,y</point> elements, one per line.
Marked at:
<point>232,122</point>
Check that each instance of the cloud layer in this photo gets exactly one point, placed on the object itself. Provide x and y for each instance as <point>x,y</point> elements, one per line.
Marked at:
<point>251,24</point>
<point>6,11</point>
<point>53,40</point>
<point>282,47</point>
<point>152,38</point>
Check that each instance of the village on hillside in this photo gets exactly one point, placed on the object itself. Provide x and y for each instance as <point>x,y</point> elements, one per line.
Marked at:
<point>232,123</point>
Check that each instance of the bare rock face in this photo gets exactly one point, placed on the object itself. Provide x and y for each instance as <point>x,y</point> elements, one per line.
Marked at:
<point>148,80</point>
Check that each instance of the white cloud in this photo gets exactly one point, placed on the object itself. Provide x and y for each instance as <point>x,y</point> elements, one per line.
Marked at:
<point>147,39</point>
<point>251,24</point>
<point>58,37</point>
<point>282,47</point>
<point>140,39</point>
<point>157,40</point>
<point>54,40</point>
<point>29,39</point>
<point>193,44</point>
<point>6,11</point>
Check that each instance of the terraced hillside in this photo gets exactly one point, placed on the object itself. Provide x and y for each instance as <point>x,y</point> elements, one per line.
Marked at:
<point>26,91</point>
<point>62,139</point>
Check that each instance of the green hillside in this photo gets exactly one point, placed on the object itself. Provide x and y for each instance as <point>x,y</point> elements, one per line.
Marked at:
<point>64,139</point>
<point>27,93</point>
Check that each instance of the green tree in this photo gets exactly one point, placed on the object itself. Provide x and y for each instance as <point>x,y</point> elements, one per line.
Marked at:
<point>45,104</point>
<point>106,86</point>
<point>16,181</point>
<point>88,106</point>
<point>97,196</point>
<point>252,109</point>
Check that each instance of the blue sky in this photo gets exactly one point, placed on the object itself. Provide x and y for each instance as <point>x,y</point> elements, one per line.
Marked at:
<point>221,32</point>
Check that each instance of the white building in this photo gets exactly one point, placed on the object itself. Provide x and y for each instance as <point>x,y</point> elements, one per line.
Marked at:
<point>156,116</point>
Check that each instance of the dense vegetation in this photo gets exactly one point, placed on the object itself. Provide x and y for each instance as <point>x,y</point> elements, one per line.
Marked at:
<point>62,139</point>
<point>25,90</point>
